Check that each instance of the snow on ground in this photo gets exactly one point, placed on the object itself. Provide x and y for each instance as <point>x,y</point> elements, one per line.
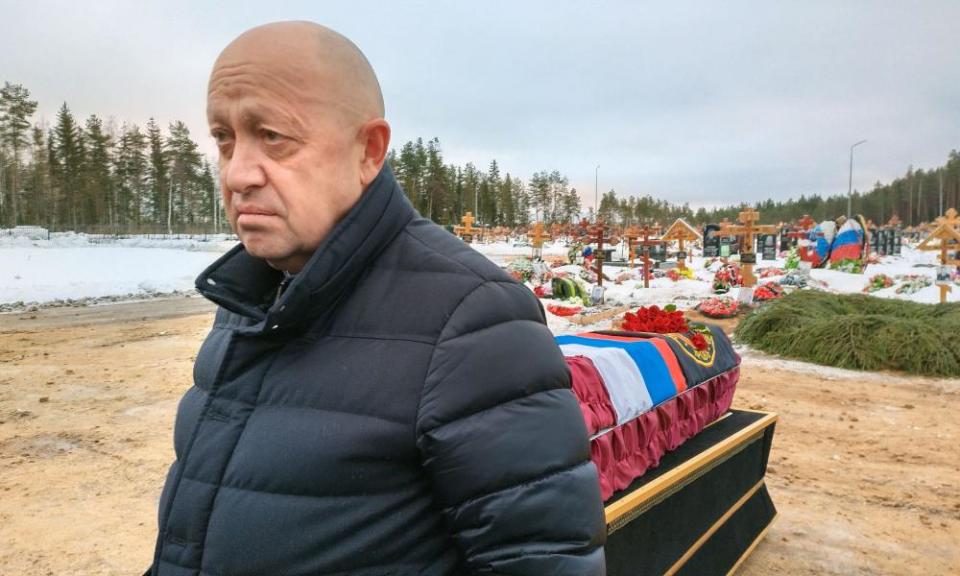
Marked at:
<point>31,274</point>
<point>38,268</point>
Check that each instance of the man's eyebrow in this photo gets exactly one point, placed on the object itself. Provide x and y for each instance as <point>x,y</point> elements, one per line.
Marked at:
<point>252,116</point>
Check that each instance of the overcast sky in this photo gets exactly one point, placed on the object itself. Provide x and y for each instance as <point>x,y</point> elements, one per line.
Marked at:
<point>703,102</point>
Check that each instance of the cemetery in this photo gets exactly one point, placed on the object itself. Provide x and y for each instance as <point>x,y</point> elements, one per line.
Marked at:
<point>452,289</point>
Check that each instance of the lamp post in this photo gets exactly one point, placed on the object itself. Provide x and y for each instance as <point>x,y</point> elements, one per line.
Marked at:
<point>850,182</point>
<point>596,197</point>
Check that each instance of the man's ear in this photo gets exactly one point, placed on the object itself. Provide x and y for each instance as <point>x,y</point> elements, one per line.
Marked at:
<point>374,139</point>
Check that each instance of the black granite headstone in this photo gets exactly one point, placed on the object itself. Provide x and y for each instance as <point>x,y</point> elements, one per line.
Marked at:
<point>784,239</point>
<point>874,240</point>
<point>711,241</point>
<point>897,241</point>
<point>768,250</point>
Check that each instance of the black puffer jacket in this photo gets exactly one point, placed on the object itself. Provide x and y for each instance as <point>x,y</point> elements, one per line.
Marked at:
<point>400,410</point>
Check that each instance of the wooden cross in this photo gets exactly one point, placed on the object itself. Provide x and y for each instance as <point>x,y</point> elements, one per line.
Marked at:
<point>645,245</point>
<point>748,229</point>
<point>597,233</point>
<point>466,231</point>
<point>949,236</point>
<point>681,232</point>
<point>631,235</point>
<point>536,239</point>
<point>951,219</point>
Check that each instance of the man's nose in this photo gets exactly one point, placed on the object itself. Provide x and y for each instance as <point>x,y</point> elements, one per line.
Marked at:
<point>245,169</point>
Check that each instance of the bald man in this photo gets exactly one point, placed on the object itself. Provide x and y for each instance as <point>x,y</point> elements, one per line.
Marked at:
<point>374,397</point>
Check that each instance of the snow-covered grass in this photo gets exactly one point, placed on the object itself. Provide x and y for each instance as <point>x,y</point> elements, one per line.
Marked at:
<point>76,266</point>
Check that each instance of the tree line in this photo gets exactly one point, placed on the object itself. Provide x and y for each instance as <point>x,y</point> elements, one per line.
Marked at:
<point>914,197</point>
<point>97,176</point>
<point>446,192</point>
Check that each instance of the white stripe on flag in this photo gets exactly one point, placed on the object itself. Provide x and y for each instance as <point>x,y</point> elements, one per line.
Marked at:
<point>628,392</point>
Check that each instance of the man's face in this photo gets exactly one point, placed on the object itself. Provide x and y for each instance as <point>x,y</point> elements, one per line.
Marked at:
<point>288,159</point>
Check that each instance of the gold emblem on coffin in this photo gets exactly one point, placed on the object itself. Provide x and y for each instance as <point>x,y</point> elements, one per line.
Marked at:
<point>705,357</point>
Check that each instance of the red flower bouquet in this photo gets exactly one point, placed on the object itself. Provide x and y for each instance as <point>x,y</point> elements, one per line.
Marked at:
<point>768,291</point>
<point>654,319</point>
<point>719,307</point>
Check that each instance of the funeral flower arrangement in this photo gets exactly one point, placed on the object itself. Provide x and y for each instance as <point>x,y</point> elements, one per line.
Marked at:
<point>912,283</point>
<point>677,274</point>
<point>727,276</point>
<point>848,265</point>
<point>878,282</point>
<point>719,307</point>
<point>773,271</point>
<point>768,291</point>
<point>793,259</point>
<point>666,320</point>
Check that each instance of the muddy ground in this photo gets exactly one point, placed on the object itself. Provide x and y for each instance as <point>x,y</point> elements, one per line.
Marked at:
<point>865,468</point>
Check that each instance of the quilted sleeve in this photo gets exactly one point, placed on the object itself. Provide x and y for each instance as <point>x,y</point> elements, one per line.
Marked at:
<point>504,444</point>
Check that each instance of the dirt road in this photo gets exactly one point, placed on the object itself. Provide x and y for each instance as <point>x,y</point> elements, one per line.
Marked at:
<point>865,469</point>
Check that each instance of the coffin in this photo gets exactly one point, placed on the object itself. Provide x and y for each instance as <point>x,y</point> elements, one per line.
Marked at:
<point>703,510</point>
<point>680,473</point>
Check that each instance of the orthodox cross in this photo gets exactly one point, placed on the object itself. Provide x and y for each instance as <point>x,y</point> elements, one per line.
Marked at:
<point>631,235</point>
<point>748,229</point>
<point>597,233</point>
<point>681,232</point>
<point>466,231</point>
<point>947,233</point>
<point>645,245</point>
<point>536,239</point>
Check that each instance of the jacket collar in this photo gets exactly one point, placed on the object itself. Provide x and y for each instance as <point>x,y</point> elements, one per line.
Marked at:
<point>248,286</point>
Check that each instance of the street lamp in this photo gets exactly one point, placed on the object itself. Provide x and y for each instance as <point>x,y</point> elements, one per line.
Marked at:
<point>850,182</point>
<point>596,201</point>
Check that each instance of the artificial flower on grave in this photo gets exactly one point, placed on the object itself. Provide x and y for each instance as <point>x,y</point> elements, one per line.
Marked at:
<point>563,309</point>
<point>521,269</point>
<point>768,291</point>
<point>878,282</point>
<point>569,288</point>
<point>770,272</point>
<point>727,277</point>
<point>687,273</point>
<point>673,274</point>
<point>848,265</point>
<point>793,260</point>
<point>719,307</point>
<point>912,283</point>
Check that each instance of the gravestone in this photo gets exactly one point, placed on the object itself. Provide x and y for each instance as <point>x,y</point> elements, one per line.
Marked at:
<point>711,241</point>
<point>725,247</point>
<point>735,245</point>
<point>768,246</point>
<point>659,252</point>
<point>891,240</point>
<point>897,241</point>
<point>784,239</point>
<point>874,241</point>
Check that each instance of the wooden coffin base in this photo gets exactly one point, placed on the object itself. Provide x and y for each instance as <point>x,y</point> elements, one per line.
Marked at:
<point>703,510</point>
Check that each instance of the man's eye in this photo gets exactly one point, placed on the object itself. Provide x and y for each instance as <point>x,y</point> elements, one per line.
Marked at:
<point>220,136</point>
<point>271,136</point>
